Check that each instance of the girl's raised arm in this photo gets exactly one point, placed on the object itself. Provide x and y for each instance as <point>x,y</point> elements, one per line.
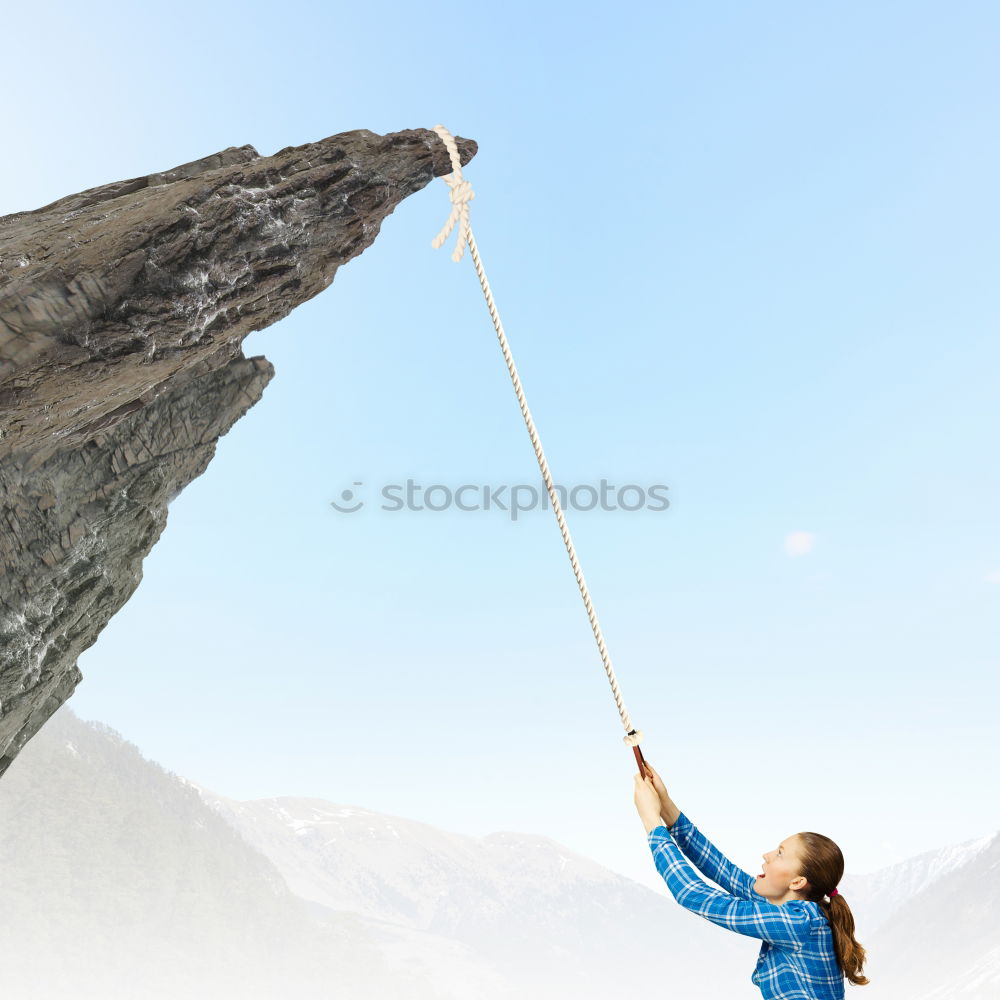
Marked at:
<point>785,926</point>
<point>710,861</point>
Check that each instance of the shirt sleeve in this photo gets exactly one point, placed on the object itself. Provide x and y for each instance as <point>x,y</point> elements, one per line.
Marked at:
<point>710,861</point>
<point>785,926</point>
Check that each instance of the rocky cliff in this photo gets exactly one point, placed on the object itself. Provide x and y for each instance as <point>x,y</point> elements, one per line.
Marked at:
<point>122,313</point>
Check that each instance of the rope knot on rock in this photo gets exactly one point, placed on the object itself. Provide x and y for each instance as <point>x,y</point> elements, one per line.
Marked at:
<point>461,194</point>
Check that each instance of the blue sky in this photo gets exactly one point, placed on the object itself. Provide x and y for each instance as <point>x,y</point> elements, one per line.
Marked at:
<point>744,251</point>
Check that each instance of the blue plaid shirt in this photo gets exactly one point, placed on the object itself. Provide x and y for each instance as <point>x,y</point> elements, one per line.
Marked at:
<point>797,960</point>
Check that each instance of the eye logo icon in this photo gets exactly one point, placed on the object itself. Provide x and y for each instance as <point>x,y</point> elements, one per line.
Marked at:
<point>348,497</point>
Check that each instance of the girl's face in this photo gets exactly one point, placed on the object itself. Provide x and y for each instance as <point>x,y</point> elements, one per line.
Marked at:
<point>780,879</point>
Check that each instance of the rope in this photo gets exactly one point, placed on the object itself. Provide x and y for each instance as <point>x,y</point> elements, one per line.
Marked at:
<point>461,195</point>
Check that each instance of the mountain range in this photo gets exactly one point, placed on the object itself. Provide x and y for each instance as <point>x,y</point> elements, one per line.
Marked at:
<point>124,880</point>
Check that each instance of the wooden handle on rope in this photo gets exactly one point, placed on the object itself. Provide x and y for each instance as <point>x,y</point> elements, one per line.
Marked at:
<point>639,759</point>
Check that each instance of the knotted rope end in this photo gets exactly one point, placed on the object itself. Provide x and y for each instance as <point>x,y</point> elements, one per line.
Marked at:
<point>461,194</point>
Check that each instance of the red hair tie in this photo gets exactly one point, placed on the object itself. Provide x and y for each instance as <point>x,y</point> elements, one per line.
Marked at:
<point>833,892</point>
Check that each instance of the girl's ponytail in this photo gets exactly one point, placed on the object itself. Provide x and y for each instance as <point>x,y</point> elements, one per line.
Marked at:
<point>823,868</point>
<point>850,954</point>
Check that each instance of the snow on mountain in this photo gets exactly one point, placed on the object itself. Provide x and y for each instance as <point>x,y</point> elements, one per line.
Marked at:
<point>943,943</point>
<point>548,918</point>
<point>875,897</point>
<point>389,868</point>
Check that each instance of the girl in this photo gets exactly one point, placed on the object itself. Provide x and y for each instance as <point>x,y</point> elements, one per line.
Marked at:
<point>793,905</point>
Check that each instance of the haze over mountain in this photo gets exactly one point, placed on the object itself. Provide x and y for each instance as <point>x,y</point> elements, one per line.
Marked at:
<point>124,880</point>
